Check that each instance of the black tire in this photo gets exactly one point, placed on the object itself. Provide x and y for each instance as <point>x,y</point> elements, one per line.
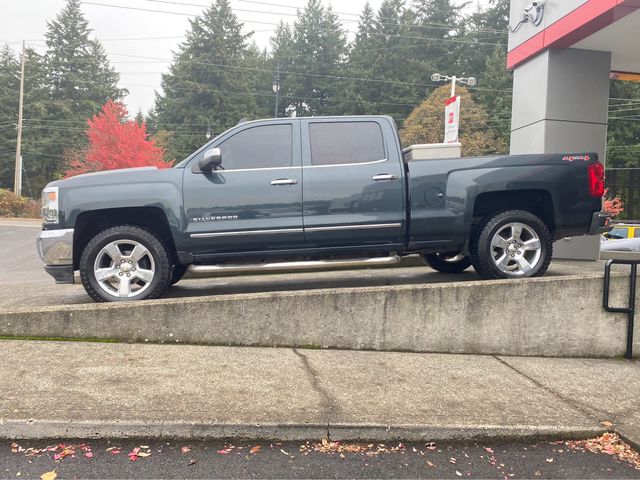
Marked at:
<point>178,272</point>
<point>155,252</point>
<point>447,263</point>
<point>486,257</point>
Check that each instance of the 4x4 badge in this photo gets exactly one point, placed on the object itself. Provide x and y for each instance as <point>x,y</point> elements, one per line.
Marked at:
<point>573,158</point>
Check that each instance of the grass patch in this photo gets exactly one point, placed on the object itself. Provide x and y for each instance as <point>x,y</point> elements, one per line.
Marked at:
<point>61,339</point>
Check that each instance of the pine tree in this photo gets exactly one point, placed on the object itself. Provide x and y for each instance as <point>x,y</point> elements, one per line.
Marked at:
<point>63,89</point>
<point>209,82</point>
<point>485,30</point>
<point>439,22</point>
<point>282,59</point>
<point>495,96</point>
<point>360,94</point>
<point>9,84</point>
<point>319,47</point>
<point>383,56</point>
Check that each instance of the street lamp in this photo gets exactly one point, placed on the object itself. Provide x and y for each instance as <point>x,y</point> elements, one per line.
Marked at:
<point>471,81</point>
<point>276,88</point>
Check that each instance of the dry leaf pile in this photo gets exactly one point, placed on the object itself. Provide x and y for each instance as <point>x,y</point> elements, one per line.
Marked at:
<point>609,444</point>
<point>327,446</point>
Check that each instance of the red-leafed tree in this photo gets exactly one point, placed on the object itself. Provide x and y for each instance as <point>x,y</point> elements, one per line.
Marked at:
<point>614,205</point>
<point>115,142</point>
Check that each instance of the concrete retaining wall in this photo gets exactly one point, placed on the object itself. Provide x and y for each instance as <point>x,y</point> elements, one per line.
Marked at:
<point>549,316</point>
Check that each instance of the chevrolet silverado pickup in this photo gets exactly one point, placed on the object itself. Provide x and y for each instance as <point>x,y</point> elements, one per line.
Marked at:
<point>304,193</point>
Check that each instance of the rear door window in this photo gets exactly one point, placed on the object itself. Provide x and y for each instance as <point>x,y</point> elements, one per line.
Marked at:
<point>335,143</point>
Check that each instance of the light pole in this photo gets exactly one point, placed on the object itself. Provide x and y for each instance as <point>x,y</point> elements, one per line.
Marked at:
<point>209,133</point>
<point>471,81</point>
<point>276,88</point>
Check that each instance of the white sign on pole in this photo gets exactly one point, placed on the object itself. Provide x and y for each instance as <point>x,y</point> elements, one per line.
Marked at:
<point>451,119</point>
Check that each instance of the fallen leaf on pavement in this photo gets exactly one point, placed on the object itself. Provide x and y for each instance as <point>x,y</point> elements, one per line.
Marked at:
<point>186,449</point>
<point>49,475</point>
<point>458,473</point>
<point>255,449</point>
<point>430,463</point>
<point>606,424</point>
<point>549,460</point>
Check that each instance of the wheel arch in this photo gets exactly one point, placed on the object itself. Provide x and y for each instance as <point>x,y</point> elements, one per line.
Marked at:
<point>536,201</point>
<point>90,223</point>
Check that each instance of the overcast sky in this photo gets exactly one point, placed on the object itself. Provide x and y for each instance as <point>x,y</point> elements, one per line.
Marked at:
<point>130,34</point>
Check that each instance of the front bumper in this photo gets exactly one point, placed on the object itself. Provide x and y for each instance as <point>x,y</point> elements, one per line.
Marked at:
<point>600,223</point>
<point>56,251</point>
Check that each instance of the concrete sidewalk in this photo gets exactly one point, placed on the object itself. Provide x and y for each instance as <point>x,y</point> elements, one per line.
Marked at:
<point>88,390</point>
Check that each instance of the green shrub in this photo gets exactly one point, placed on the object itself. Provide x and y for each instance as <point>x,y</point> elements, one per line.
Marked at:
<point>13,206</point>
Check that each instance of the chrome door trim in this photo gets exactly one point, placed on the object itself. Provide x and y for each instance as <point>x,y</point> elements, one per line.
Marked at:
<point>246,232</point>
<point>260,169</point>
<point>352,227</point>
<point>355,164</point>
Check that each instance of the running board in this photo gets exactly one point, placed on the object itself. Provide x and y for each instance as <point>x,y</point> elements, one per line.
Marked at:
<point>302,265</point>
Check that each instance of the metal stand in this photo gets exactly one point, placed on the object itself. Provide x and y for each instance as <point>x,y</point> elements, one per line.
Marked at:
<point>631,309</point>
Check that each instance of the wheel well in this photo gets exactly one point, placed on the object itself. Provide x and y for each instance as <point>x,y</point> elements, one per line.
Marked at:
<point>538,202</point>
<point>89,224</point>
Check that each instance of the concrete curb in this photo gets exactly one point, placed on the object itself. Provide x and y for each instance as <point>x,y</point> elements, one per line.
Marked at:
<point>495,317</point>
<point>57,429</point>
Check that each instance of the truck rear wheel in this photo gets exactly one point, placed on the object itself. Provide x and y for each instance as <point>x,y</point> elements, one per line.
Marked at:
<point>124,263</point>
<point>512,244</point>
<point>447,263</point>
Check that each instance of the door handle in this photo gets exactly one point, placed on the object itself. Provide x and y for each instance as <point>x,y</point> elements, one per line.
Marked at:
<point>283,181</point>
<point>384,177</point>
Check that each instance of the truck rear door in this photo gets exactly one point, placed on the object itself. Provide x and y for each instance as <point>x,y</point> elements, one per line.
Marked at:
<point>353,192</point>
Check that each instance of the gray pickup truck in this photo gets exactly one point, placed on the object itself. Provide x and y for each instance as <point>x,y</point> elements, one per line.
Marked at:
<point>304,193</point>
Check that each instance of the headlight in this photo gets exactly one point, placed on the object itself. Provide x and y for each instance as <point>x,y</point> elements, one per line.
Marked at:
<point>50,213</point>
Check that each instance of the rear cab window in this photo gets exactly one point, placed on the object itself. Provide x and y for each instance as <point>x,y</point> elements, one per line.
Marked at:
<point>336,143</point>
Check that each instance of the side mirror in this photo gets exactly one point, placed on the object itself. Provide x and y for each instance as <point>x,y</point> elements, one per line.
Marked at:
<point>211,160</point>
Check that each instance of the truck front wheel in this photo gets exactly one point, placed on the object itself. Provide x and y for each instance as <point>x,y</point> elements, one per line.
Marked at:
<point>124,263</point>
<point>512,244</point>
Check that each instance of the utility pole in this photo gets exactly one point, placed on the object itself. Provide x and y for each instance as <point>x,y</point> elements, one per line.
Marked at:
<point>17,181</point>
<point>276,88</point>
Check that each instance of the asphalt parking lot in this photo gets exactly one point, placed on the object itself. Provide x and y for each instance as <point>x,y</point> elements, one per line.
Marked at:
<point>24,283</point>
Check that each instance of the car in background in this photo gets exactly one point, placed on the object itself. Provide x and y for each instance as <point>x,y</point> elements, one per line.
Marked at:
<point>624,230</point>
<point>620,245</point>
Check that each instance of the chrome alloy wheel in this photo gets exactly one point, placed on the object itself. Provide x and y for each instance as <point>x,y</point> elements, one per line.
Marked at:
<point>516,249</point>
<point>124,268</point>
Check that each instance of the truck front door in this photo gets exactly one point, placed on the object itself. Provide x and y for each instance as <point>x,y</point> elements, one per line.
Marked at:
<point>353,193</point>
<point>255,201</point>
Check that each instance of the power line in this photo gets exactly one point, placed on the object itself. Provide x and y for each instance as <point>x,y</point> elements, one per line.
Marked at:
<point>337,77</point>
<point>446,40</point>
<point>378,20</point>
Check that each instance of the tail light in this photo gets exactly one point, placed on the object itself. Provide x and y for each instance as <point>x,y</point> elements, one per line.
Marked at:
<point>596,179</point>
